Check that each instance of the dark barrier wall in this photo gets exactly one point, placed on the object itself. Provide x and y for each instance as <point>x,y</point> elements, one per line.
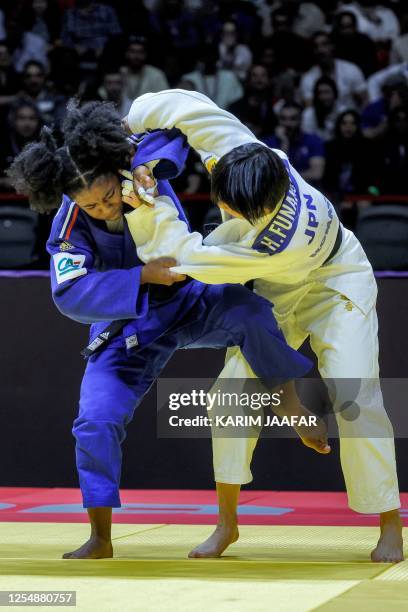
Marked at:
<point>41,371</point>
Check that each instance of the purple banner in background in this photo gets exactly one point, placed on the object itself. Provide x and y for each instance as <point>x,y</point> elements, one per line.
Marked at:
<point>391,274</point>
<point>24,273</point>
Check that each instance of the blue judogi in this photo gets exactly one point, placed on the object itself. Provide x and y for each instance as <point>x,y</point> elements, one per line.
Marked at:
<point>95,277</point>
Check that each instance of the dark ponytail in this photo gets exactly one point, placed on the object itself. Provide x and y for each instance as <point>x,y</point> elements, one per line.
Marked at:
<point>95,144</point>
<point>37,173</point>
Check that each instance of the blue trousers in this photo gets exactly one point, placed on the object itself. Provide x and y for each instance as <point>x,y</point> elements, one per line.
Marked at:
<point>115,380</point>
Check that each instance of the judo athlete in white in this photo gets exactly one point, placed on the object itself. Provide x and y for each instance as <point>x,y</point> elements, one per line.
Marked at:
<point>316,275</point>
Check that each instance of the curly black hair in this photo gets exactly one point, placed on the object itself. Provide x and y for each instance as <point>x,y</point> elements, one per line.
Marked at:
<point>95,144</point>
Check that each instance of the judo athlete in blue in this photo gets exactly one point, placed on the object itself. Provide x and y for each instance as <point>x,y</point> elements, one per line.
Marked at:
<point>136,322</point>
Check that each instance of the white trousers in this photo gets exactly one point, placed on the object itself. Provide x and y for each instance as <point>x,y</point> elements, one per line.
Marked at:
<point>345,341</point>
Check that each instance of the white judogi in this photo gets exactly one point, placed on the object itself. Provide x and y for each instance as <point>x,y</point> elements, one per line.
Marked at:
<point>332,302</point>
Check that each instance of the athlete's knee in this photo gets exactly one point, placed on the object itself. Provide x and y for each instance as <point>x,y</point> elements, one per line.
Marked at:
<point>98,433</point>
<point>108,408</point>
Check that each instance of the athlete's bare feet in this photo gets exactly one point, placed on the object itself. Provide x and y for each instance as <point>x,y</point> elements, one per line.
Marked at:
<point>94,548</point>
<point>313,436</point>
<point>389,548</point>
<point>215,545</point>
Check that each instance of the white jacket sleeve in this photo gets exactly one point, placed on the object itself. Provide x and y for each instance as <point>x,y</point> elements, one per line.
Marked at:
<point>376,81</point>
<point>210,130</point>
<point>158,232</point>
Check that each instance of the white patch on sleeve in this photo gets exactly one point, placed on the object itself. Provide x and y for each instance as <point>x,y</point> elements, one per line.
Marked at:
<point>68,266</point>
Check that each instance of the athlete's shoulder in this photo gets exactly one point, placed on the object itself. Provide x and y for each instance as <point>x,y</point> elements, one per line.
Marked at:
<point>68,218</point>
<point>280,154</point>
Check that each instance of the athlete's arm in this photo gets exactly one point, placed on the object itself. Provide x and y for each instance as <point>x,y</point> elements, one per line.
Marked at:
<point>160,232</point>
<point>210,130</point>
<point>80,291</point>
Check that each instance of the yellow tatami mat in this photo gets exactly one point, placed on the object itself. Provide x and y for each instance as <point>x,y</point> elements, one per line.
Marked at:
<point>270,568</point>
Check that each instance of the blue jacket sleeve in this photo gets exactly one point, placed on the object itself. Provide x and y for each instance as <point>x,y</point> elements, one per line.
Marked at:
<point>170,147</point>
<point>80,291</point>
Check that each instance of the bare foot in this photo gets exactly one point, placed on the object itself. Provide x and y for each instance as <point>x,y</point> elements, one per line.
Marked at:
<point>389,548</point>
<point>94,548</point>
<point>313,436</point>
<point>215,545</point>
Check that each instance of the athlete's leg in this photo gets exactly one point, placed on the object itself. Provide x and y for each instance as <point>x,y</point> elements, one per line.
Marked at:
<point>113,385</point>
<point>99,544</point>
<point>345,341</point>
<point>232,457</point>
<point>238,317</point>
<point>246,320</point>
<point>226,531</point>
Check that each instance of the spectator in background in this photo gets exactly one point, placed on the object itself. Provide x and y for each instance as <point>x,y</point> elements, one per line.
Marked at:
<point>194,5</point>
<point>307,17</point>
<point>377,21</point>
<point>243,14</point>
<point>24,125</point>
<point>399,49</point>
<point>135,19</point>
<point>51,106</point>
<point>177,24</point>
<point>283,80</point>
<point>45,21</point>
<point>233,55</point>
<point>394,153</point>
<point>255,107</point>
<point>3,34</point>
<point>24,46</point>
<point>347,76</point>
<point>377,80</point>
<point>321,118</point>
<point>194,179</point>
<point>140,77</point>
<point>185,84</point>
<point>9,81</point>
<point>210,21</point>
<point>64,70</point>
<point>177,32</point>
<point>352,45</point>
<point>222,86</point>
<point>267,57</point>
<point>374,119</point>
<point>350,164</point>
<point>112,89</point>
<point>87,28</point>
<point>305,151</point>
<point>284,91</point>
<point>290,49</point>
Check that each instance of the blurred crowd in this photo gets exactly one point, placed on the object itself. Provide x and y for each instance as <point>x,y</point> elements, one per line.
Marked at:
<point>326,81</point>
